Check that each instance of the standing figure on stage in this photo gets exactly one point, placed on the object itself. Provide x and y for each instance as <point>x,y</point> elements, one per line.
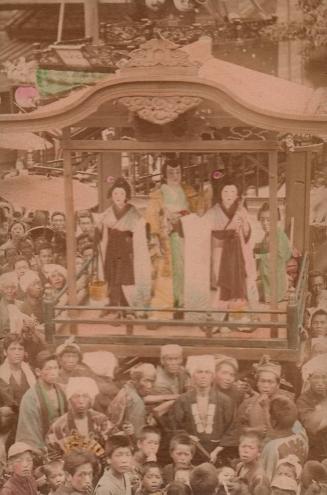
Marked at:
<point>233,272</point>
<point>127,267</point>
<point>283,255</point>
<point>167,205</point>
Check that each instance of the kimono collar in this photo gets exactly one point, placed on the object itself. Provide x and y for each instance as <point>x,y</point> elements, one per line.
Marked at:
<point>230,212</point>
<point>120,212</point>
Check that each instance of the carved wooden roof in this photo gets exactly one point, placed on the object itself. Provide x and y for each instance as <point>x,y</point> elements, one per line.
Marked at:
<point>254,98</point>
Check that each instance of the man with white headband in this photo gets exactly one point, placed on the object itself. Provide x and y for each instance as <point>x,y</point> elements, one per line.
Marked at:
<point>204,411</point>
<point>81,419</point>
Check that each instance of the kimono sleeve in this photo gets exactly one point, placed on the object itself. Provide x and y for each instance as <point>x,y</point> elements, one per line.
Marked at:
<point>177,414</point>
<point>229,437</point>
<point>29,428</point>
<point>153,213</point>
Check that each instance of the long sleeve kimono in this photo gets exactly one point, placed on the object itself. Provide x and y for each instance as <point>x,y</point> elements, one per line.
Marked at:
<point>233,265</point>
<point>219,427</point>
<point>35,418</point>
<point>127,263</point>
<point>283,255</point>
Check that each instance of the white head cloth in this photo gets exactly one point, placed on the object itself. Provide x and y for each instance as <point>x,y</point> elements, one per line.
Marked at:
<point>52,268</point>
<point>9,278</point>
<point>28,279</point>
<point>102,363</point>
<point>195,363</point>
<point>82,385</point>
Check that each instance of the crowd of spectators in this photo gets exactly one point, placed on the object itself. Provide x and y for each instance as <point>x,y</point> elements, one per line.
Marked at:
<point>74,422</point>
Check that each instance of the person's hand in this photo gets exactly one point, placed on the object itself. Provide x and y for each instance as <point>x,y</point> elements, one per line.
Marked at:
<point>263,401</point>
<point>151,457</point>
<point>214,454</point>
<point>128,429</point>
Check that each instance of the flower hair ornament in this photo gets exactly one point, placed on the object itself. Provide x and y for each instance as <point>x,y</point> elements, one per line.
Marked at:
<point>217,175</point>
<point>110,179</point>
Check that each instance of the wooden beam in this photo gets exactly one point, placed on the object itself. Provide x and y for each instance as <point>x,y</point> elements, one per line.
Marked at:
<point>273,241</point>
<point>70,223</point>
<point>180,146</point>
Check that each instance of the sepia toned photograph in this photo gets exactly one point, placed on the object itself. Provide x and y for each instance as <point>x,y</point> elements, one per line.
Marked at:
<point>163,247</point>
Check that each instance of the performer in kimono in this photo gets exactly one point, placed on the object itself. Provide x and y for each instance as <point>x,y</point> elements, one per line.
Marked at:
<point>167,205</point>
<point>283,255</point>
<point>233,266</point>
<point>127,266</point>
<point>204,411</point>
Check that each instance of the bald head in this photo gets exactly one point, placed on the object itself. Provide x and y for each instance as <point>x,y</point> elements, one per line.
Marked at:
<point>171,358</point>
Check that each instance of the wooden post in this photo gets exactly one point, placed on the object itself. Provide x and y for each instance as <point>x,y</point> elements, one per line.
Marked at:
<point>292,322</point>
<point>70,223</point>
<point>61,20</point>
<point>273,209</point>
<point>91,19</point>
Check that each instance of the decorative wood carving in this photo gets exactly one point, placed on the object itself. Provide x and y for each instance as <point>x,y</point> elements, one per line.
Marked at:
<point>159,109</point>
<point>158,53</point>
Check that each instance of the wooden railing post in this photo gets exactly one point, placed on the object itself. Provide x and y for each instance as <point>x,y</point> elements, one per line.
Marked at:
<point>292,321</point>
<point>49,315</point>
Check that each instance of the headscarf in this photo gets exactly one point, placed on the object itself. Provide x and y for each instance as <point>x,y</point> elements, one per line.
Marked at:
<point>195,362</point>
<point>82,385</point>
<point>28,279</point>
<point>102,363</point>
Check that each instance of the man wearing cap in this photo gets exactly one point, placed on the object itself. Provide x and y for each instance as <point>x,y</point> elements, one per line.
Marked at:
<point>81,419</point>
<point>171,376</point>
<point>42,404</point>
<point>254,411</point>
<point>69,356</point>
<point>20,461</point>
<point>312,408</point>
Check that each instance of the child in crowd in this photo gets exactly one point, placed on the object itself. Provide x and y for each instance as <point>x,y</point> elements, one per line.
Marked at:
<point>183,475</point>
<point>204,480</point>
<point>151,480</point>
<point>181,450</point>
<point>226,475</point>
<point>249,469</point>
<point>177,488</point>
<point>115,480</point>
<point>20,461</point>
<point>55,475</point>
<point>148,443</point>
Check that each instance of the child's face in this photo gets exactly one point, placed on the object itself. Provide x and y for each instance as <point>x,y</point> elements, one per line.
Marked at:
<point>152,480</point>
<point>286,470</point>
<point>249,450</point>
<point>121,460</point>
<point>150,444</point>
<point>182,455</point>
<point>226,475</point>
<point>56,477</point>
<point>319,325</point>
<point>22,465</point>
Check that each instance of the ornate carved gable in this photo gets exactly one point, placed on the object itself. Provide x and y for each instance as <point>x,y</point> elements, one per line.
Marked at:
<point>159,109</point>
<point>159,56</point>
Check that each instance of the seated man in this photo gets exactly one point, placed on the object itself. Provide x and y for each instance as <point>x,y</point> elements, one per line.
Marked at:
<point>128,406</point>
<point>80,420</point>
<point>42,404</point>
<point>312,408</point>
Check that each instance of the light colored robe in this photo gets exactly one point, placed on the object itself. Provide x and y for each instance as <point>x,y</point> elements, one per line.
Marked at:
<point>139,294</point>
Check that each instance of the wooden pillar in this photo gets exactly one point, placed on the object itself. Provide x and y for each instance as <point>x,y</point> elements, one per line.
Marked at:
<point>273,207</point>
<point>91,19</point>
<point>298,171</point>
<point>70,222</point>
<point>61,20</point>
